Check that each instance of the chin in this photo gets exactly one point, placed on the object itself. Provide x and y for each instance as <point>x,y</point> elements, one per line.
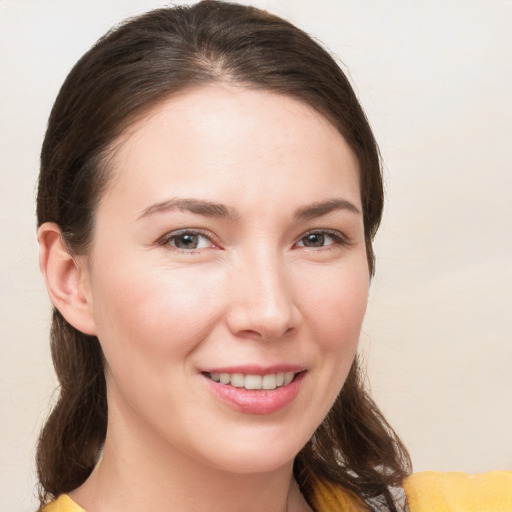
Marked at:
<point>248,464</point>
<point>257,457</point>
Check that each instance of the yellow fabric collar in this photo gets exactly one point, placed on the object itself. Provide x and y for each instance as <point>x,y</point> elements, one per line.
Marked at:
<point>426,491</point>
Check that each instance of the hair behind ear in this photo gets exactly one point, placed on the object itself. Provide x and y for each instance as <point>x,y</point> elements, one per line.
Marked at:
<point>354,447</point>
<point>71,440</point>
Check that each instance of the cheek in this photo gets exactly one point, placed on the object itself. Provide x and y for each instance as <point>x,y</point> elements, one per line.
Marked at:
<point>336,309</point>
<point>148,326</point>
<point>335,303</point>
<point>153,314</point>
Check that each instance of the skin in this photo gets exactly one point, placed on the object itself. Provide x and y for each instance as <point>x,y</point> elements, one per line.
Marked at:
<point>255,291</point>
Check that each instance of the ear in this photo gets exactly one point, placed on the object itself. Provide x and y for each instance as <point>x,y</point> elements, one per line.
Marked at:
<point>67,279</point>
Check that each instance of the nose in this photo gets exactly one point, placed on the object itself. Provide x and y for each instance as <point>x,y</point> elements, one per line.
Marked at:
<point>261,300</point>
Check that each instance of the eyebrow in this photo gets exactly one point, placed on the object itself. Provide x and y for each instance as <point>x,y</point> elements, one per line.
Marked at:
<point>210,209</point>
<point>197,206</point>
<point>324,207</point>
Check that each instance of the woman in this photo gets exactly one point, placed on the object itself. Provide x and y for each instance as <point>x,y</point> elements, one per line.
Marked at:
<point>208,196</point>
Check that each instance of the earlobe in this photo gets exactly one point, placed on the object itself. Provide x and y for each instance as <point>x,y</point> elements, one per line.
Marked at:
<point>67,279</point>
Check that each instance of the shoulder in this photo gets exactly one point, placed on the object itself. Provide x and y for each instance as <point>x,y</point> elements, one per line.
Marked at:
<point>63,504</point>
<point>426,491</point>
<point>430,491</point>
<point>328,497</point>
<point>459,492</point>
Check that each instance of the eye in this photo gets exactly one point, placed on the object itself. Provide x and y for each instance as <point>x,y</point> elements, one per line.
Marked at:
<point>316,239</point>
<point>187,240</point>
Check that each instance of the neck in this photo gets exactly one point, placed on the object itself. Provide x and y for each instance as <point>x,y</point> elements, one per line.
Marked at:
<point>140,472</point>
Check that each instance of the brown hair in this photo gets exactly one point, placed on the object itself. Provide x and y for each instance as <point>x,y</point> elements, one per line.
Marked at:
<point>120,78</point>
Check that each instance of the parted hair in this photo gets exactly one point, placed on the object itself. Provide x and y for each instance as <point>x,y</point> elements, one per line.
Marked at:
<point>126,73</point>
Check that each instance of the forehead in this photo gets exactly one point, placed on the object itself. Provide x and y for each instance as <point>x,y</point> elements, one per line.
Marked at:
<point>217,139</point>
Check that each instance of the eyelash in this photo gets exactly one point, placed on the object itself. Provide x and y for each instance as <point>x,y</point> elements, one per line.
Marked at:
<point>174,235</point>
<point>338,239</point>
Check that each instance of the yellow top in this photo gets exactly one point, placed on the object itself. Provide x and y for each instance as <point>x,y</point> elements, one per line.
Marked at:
<point>428,491</point>
<point>446,492</point>
<point>63,504</point>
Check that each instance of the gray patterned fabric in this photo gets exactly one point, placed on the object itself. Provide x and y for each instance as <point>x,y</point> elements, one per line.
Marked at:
<point>379,504</point>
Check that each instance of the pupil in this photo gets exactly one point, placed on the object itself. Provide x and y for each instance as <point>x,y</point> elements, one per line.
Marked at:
<point>315,240</point>
<point>187,241</point>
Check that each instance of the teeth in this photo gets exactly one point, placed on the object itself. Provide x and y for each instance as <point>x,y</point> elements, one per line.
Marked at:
<point>269,382</point>
<point>252,382</point>
<point>238,380</point>
<point>288,377</point>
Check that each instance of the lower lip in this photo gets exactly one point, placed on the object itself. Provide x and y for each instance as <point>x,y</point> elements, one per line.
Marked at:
<point>257,401</point>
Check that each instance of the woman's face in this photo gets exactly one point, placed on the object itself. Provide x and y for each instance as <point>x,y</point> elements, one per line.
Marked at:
<point>228,254</point>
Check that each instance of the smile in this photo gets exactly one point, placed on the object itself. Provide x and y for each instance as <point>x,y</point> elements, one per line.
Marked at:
<point>253,382</point>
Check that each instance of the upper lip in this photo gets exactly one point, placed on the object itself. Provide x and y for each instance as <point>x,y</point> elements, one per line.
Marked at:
<point>254,369</point>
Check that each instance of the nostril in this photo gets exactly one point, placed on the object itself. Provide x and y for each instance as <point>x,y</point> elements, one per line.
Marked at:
<point>261,304</point>
<point>265,332</point>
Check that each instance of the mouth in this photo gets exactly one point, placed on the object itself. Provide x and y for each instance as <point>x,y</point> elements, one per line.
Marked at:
<point>253,382</point>
<point>254,390</point>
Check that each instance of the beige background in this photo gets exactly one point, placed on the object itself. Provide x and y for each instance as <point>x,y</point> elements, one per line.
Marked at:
<point>435,79</point>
